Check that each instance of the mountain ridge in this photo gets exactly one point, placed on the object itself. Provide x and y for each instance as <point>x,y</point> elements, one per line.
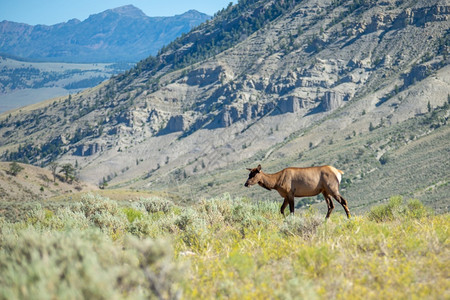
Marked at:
<point>102,37</point>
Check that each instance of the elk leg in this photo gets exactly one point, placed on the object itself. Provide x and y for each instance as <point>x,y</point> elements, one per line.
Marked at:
<point>344,204</point>
<point>283,206</point>
<point>291,205</point>
<point>330,205</point>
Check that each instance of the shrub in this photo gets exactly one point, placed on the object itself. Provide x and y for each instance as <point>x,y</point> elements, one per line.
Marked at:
<point>161,274</point>
<point>216,210</point>
<point>45,218</point>
<point>143,227</point>
<point>72,219</point>
<point>297,288</point>
<point>186,219</point>
<point>115,225</point>
<point>241,214</point>
<point>132,214</point>
<point>155,204</point>
<point>90,205</point>
<point>85,265</point>
<point>384,159</point>
<point>58,265</point>
<point>416,209</point>
<point>386,212</point>
<point>102,214</point>
<point>395,209</point>
<point>238,212</point>
<point>304,225</point>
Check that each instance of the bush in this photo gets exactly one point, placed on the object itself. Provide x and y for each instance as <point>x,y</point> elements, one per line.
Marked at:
<point>143,227</point>
<point>132,214</point>
<point>386,212</point>
<point>396,209</point>
<point>91,205</point>
<point>84,265</point>
<point>71,219</point>
<point>188,218</point>
<point>304,225</point>
<point>94,211</point>
<point>161,274</point>
<point>215,210</point>
<point>155,204</point>
<point>416,209</point>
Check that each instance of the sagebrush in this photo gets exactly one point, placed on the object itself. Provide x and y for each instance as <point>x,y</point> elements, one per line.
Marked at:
<point>223,248</point>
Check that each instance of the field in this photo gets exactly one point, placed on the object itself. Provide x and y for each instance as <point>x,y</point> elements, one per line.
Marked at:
<point>222,248</point>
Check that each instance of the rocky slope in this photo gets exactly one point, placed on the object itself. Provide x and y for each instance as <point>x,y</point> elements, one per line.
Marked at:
<point>293,78</point>
<point>115,35</point>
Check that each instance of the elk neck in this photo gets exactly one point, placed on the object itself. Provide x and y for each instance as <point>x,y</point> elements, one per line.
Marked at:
<point>268,181</point>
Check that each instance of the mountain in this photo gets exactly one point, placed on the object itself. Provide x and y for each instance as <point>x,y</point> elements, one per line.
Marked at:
<point>123,34</point>
<point>362,85</point>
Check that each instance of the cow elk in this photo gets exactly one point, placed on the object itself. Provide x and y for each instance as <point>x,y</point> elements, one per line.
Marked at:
<point>301,182</point>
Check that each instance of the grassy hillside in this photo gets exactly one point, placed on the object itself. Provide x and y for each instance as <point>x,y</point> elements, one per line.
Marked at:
<point>34,183</point>
<point>223,248</point>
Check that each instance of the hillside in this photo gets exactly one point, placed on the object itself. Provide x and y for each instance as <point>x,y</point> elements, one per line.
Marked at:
<point>108,36</point>
<point>361,85</point>
<point>34,183</point>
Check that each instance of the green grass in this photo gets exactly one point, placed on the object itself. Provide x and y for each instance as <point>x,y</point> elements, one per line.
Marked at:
<point>223,248</point>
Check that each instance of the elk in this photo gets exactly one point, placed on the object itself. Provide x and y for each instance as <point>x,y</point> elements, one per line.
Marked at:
<point>301,182</point>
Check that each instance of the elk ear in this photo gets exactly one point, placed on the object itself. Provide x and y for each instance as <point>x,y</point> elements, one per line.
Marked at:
<point>248,169</point>
<point>258,168</point>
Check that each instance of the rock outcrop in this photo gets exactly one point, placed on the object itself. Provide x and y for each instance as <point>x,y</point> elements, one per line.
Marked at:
<point>332,100</point>
<point>88,149</point>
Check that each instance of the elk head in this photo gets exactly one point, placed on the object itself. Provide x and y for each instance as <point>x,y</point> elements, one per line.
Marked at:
<point>254,177</point>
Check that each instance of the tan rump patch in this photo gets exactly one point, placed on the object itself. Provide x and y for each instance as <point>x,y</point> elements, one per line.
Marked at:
<point>337,173</point>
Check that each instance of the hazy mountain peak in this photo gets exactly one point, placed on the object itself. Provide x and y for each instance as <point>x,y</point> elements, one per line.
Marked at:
<point>128,10</point>
<point>192,12</point>
<point>73,21</point>
<point>104,37</point>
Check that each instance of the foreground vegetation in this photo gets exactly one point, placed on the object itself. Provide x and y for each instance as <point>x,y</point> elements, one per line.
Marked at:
<point>223,248</point>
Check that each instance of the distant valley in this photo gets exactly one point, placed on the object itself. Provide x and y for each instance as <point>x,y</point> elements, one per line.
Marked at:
<point>23,83</point>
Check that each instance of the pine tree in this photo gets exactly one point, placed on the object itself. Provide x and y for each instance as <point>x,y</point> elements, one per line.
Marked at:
<point>69,172</point>
<point>15,168</point>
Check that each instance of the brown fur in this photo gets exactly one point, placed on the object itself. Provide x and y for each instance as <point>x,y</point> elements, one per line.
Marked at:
<point>301,182</point>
